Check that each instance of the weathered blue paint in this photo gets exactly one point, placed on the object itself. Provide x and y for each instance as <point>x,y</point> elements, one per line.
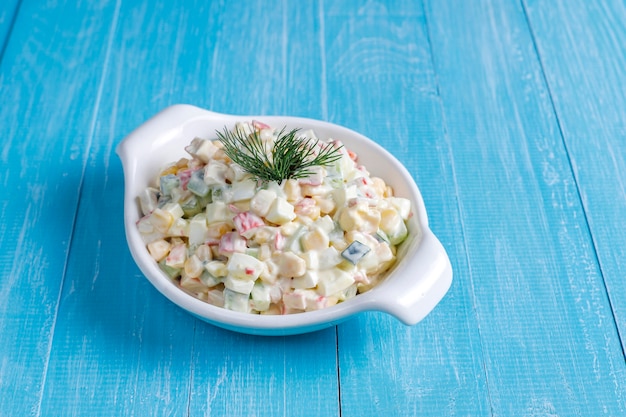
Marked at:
<point>509,114</point>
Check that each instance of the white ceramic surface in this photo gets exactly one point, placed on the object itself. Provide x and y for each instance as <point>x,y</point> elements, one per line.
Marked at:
<point>414,286</point>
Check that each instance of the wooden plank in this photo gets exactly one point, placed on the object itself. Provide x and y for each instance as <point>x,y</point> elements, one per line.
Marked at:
<point>381,83</point>
<point>136,353</point>
<point>549,343</point>
<point>119,348</point>
<point>241,375</point>
<point>44,149</point>
<point>581,46</point>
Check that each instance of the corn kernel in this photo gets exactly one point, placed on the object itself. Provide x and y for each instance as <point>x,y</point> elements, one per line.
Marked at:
<point>326,205</point>
<point>193,266</point>
<point>389,219</point>
<point>217,230</point>
<point>291,188</point>
<point>203,252</point>
<point>161,220</point>
<point>379,186</point>
<point>360,217</point>
<point>159,249</point>
<point>314,240</point>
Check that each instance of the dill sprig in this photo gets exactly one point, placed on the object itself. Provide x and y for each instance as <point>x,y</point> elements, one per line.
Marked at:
<point>289,157</point>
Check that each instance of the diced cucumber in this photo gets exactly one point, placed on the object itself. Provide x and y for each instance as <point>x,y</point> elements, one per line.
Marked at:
<point>260,296</point>
<point>168,183</point>
<point>209,279</point>
<point>398,234</point>
<point>191,206</point>
<point>236,301</point>
<point>163,201</point>
<point>197,185</point>
<point>348,292</point>
<point>220,193</point>
<point>355,251</point>
<point>171,272</point>
<point>381,236</point>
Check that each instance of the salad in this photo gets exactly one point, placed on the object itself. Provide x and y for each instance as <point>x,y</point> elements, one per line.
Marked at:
<point>263,221</point>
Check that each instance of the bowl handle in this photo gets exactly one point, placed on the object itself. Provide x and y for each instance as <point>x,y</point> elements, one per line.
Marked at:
<point>418,284</point>
<point>172,117</point>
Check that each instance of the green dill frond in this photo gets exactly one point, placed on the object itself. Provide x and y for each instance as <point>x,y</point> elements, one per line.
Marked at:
<point>290,157</point>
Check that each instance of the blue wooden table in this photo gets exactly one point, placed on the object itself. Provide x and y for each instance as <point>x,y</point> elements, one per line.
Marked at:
<point>510,115</point>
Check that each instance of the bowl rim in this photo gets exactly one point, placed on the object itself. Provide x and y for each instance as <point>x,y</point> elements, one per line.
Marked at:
<point>169,126</point>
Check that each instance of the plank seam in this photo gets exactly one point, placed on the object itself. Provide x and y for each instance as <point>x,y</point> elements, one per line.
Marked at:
<point>4,45</point>
<point>192,368</point>
<point>324,104</point>
<point>324,92</point>
<point>574,176</point>
<point>338,370</point>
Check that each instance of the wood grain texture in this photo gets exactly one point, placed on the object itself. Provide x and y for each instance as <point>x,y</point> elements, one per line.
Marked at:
<point>509,115</point>
<point>379,61</point>
<point>46,138</point>
<point>539,295</point>
<point>274,67</point>
<point>120,348</point>
<point>581,46</point>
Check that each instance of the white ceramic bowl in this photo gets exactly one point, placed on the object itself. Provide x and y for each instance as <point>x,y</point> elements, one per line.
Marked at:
<point>417,282</point>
